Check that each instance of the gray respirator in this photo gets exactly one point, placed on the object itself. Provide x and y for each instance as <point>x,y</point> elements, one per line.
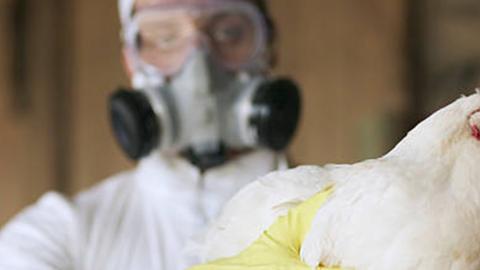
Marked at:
<point>203,112</point>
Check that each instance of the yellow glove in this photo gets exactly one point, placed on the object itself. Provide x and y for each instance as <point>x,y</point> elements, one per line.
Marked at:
<point>278,248</point>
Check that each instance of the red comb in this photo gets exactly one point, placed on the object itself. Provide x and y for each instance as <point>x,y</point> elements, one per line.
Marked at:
<point>476,132</point>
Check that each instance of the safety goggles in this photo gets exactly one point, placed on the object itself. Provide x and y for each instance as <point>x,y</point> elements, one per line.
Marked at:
<point>232,32</point>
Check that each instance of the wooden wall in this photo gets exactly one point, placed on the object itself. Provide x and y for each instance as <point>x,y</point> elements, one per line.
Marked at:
<point>97,72</point>
<point>448,51</point>
<point>27,107</point>
<point>348,56</point>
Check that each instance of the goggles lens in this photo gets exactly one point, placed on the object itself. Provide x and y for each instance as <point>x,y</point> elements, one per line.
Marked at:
<point>165,37</point>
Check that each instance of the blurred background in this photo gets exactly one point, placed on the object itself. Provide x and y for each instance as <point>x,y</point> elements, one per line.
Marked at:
<point>369,71</point>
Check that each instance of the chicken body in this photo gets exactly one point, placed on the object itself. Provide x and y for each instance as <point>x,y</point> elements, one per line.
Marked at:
<point>418,207</point>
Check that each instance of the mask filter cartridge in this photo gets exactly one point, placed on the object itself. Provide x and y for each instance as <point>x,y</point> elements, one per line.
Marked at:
<point>134,123</point>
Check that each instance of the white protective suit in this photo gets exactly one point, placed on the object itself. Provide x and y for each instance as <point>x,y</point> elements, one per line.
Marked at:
<point>140,219</point>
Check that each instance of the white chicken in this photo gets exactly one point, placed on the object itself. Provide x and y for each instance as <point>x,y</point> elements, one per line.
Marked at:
<point>418,207</point>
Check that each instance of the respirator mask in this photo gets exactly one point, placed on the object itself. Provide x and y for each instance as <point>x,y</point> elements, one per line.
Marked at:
<point>200,87</point>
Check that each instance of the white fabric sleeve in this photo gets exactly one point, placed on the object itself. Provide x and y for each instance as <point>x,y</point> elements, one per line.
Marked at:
<point>41,237</point>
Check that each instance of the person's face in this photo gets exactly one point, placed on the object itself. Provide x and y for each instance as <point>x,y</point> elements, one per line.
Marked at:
<point>166,37</point>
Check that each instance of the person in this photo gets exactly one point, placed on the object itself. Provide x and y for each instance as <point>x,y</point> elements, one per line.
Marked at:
<point>204,118</point>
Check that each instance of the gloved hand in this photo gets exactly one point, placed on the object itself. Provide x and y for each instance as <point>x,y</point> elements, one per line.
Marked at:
<point>278,248</point>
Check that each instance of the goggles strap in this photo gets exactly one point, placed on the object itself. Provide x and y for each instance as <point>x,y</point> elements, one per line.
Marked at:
<point>125,9</point>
